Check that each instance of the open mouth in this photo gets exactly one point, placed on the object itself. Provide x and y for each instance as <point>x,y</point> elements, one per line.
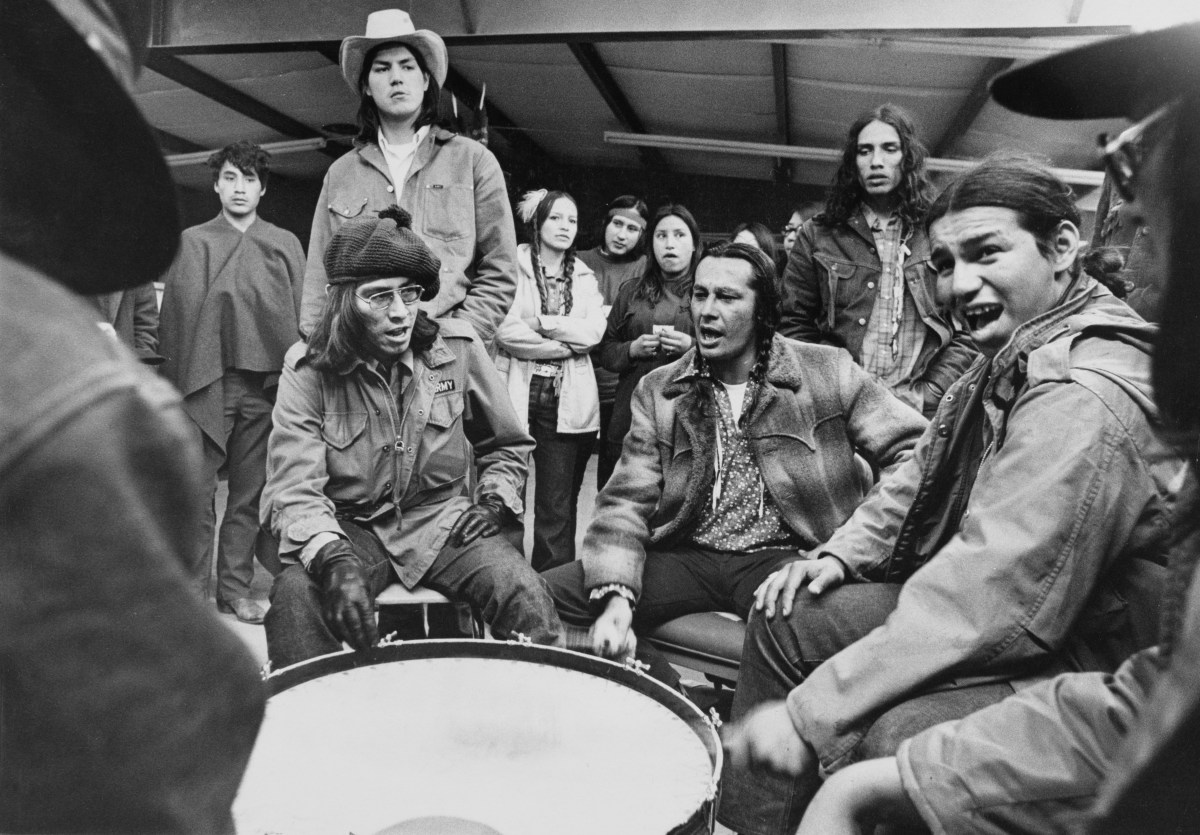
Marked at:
<point>980,316</point>
<point>708,335</point>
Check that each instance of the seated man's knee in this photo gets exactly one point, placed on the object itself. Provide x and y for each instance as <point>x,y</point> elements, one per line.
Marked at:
<point>292,584</point>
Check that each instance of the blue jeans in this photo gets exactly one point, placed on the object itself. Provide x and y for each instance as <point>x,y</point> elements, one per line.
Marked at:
<point>557,459</point>
<point>777,656</point>
<point>488,573</point>
<point>675,582</point>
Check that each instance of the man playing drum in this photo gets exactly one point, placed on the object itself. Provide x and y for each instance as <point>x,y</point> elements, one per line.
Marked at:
<point>367,464</point>
<point>741,454</point>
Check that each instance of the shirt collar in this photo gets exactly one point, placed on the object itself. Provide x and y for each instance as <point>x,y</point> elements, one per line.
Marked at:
<point>402,150</point>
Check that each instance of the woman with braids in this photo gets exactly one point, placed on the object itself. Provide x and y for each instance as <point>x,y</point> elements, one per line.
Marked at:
<point>557,317</point>
<point>649,324</point>
<point>740,455</point>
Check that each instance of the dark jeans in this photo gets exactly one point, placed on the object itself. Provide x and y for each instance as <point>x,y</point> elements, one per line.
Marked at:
<point>609,453</point>
<point>488,573</point>
<point>675,582</point>
<point>247,425</point>
<point>556,459</point>
<point>777,656</point>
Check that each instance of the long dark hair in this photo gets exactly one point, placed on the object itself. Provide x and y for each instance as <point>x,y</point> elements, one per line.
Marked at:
<point>627,201</point>
<point>1013,181</point>
<point>340,336</point>
<point>652,283</point>
<point>914,191</point>
<point>368,113</point>
<point>534,225</point>
<point>762,235</point>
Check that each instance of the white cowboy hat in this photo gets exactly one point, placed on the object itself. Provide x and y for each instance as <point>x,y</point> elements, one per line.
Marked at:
<point>393,26</point>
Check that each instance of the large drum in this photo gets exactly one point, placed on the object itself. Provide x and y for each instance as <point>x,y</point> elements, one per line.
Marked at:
<point>524,739</point>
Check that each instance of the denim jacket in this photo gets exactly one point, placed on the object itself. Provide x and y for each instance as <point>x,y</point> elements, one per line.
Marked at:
<point>341,447</point>
<point>829,291</point>
<point>816,409</point>
<point>459,205</point>
<point>1051,561</point>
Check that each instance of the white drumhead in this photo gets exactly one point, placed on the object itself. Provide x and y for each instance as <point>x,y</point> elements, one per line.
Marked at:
<point>526,748</point>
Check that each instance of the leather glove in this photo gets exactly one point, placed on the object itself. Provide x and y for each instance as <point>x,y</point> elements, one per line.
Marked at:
<point>346,601</point>
<point>484,518</point>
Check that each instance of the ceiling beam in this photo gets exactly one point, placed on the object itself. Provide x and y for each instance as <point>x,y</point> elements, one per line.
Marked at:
<point>189,23</point>
<point>206,85</point>
<point>783,119</point>
<point>589,58</point>
<point>172,144</point>
<point>971,107</point>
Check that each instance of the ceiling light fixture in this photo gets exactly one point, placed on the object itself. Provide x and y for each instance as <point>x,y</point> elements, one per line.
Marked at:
<point>1074,176</point>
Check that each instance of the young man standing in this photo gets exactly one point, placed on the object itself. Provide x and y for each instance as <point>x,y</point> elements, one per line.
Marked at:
<point>619,258</point>
<point>230,312</point>
<point>858,275</point>
<point>740,456</point>
<point>451,185</point>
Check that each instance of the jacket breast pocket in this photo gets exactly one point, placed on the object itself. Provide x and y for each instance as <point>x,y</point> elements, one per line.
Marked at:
<point>344,209</point>
<point>841,279</point>
<point>448,211</point>
<point>340,429</point>
<point>445,409</point>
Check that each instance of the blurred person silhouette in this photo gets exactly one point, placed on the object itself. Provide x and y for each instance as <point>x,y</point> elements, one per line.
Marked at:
<point>125,706</point>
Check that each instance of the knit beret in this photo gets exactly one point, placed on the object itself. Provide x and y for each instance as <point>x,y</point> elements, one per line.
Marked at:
<point>382,247</point>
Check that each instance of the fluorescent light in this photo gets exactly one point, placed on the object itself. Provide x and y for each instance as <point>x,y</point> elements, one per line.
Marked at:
<point>1074,176</point>
<point>292,146</point>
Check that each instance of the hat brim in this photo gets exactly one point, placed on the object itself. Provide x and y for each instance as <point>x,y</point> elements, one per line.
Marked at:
<point>1109,79</point>
<point>86,195</point>
<point>432,48</point>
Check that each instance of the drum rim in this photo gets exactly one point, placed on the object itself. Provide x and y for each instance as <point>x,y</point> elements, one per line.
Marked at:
<point>286,678</point>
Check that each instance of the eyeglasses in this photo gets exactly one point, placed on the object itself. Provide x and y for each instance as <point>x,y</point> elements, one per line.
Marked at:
<point>790,228</point>
<point>1123,155</point>
<point>409,294</point>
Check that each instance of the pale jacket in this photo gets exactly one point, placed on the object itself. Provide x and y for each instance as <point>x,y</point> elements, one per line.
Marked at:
<point>520,346</point>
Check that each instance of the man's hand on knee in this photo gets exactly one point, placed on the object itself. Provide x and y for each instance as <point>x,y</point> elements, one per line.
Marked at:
<point>484,518</point>
<point>766,739</point>
<point>346,602</point>
<point>780,589</point>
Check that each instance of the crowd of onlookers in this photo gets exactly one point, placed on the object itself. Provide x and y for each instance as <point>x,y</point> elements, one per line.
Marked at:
<point>944,472</point>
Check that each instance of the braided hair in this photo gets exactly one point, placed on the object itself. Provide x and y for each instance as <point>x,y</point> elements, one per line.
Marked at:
<point>534,209</point>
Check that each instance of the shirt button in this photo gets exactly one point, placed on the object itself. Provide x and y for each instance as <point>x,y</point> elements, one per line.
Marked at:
<point>432,378</point>
<point>390,189</point>
<point>870,285</point>
<point>943,431</point>
<point>862,321</point>
<point>949,398</point>
<point>420,411</point>
<point>387,486</point>
<point>387,447</point>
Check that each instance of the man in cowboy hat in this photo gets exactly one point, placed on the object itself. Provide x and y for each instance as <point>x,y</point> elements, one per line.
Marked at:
<point>1089,752</point>
<point>377,420</point>
<point>451,185</point>
<point>125,706</point>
